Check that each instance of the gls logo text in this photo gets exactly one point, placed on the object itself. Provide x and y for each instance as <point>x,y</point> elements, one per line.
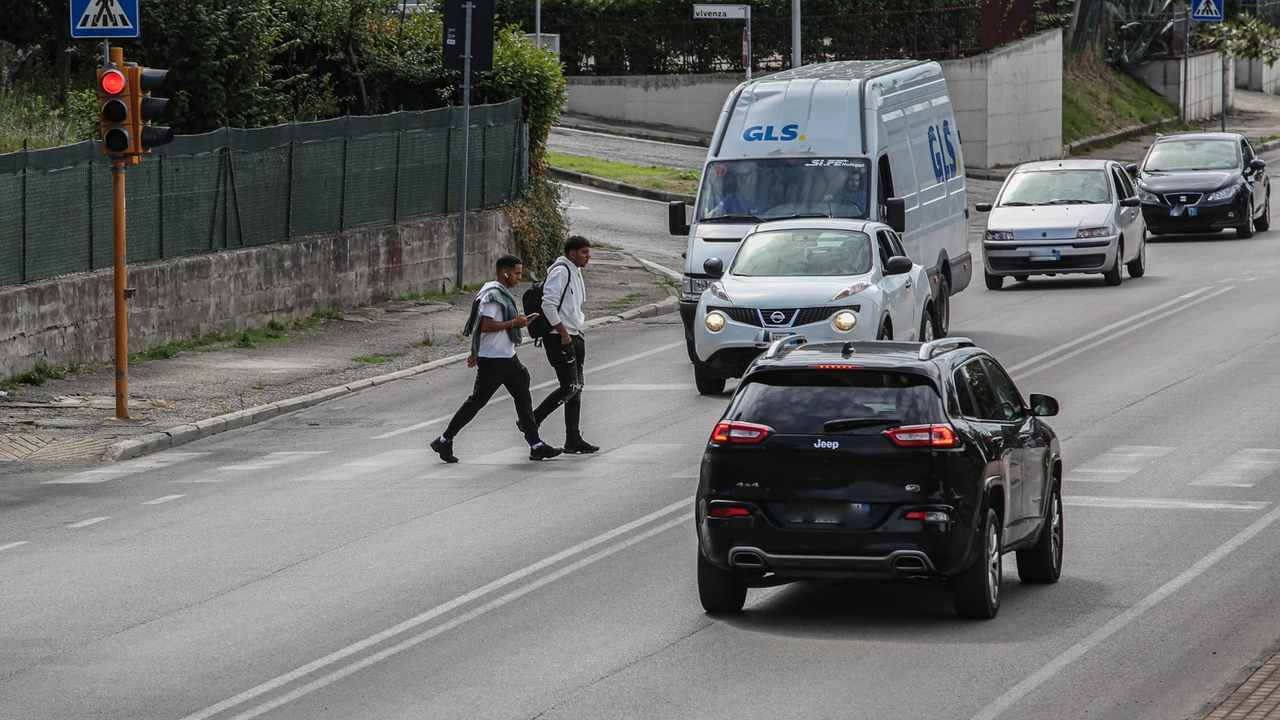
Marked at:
<point>945,166</point>
<point>765,132</point>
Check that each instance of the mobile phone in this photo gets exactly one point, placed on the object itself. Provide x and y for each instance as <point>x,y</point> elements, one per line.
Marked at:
<point>530,317</point>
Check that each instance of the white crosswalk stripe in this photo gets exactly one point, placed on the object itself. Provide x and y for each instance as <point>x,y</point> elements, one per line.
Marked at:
<point>368,466</point>
<point>1117,464</point>
<point>1242,469</point>
<point>238,471</point>
<point>126,468</point>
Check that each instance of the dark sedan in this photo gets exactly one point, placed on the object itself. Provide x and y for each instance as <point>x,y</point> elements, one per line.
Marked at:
<point>1204,182</point>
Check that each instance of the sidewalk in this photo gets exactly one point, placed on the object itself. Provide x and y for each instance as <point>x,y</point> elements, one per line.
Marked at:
<point>73,419</point>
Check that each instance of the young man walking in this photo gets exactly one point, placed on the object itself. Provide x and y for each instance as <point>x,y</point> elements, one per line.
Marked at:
<point>494,327</point>
<point>562,295</point>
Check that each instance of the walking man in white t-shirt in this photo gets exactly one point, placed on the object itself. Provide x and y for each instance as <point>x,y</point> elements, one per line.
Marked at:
<point>494,327</point>
<point>562,294</point>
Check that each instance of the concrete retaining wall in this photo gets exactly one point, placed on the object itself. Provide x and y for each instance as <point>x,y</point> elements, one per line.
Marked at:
<point>71,318</point>
<point>1204,89</point>
<point>1008,102</point>
<point>1258,76</point>
<point>687,101</point>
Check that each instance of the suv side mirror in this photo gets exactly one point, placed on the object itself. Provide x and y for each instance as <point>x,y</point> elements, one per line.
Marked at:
<point>1043,405</point>
<point>1131,202</point>
<point>982,207</point>
<point>676,221</point>
<point>896,214</point>
<point>1257,164</point>
<point>897,265</point>
<point>713,267</point>
<point>1132,169</point>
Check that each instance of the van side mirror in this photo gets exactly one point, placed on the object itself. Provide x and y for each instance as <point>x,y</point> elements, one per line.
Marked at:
<point>713,267</point>
<point>897,265</point>
<point>676,221</point>
<point>1132,169</point>
<point>1131,202</point>
<point>1257,164</point>
<point>1043,405</point>
<point>982,207</point>
<point>896,214</point>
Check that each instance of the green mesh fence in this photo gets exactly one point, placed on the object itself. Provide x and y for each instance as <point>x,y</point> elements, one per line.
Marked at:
<point>236,188</point>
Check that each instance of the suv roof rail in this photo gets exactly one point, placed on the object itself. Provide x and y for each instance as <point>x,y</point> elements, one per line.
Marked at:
<point>777,345</point>
<point>932,349</point>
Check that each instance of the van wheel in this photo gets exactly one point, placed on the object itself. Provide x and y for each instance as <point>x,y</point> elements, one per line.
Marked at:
<point>1042,562</point>
<point>706,384</point>
<point>976,590</point>
<point>926,326</point>
<point>942,309</point>
<point>994,282</point>
<point>1113,276</point>
<point>719,590</point>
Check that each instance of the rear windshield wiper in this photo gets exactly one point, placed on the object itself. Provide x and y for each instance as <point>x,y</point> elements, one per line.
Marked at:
<point>734,216</point>
<point>855,423</point>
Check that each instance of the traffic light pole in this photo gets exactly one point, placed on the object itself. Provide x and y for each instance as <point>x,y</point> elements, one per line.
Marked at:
<point>466,136</point>
<point>120,277</point>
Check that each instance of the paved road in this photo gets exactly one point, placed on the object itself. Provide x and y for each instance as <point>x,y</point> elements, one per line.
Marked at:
<point>324,565</point>
<point>624,149</point>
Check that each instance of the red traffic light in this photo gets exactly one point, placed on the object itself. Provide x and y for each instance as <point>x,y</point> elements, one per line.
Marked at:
<point>112,82</point>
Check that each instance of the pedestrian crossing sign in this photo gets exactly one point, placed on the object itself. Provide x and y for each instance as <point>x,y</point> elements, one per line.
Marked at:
<point>104,18</point>
<point>1207,10</point>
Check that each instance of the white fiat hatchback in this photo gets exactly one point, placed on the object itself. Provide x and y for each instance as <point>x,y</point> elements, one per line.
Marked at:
<point>831,280</point>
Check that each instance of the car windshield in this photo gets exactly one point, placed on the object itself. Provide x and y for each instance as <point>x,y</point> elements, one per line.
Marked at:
<point>1185,155</point>
<point>755,190</point>
<point>1056,187</point>
<point>805,401</point>
<point>791,253</point>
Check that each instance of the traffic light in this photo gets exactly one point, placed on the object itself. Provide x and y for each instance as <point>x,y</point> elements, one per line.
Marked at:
<point>144,108</point>
<point>113,103</point>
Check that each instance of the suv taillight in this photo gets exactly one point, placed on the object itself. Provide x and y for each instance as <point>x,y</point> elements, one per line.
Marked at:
<point>740,433</point>
<point>939,436</point>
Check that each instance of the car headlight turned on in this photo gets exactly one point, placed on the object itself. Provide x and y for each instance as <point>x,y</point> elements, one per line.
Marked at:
<point>715,321</point>
<point>1147,197</point>
<point>999,235</point>
<point>1094,232</point>
<point>844,320</point>
<point>1223,194</point>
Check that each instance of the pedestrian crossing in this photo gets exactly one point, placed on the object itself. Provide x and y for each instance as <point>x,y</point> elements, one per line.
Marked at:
<point>1243,468</point>
<point>1119,463</point>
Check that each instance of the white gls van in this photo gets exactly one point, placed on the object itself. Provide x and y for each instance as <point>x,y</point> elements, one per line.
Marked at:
<point>865,139</point>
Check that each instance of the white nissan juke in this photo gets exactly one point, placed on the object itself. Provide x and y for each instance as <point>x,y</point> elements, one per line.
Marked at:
<point>829,280</point>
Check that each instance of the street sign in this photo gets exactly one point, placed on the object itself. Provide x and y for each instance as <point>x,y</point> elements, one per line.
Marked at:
<point>720,12</point>
<point>1207,10</point>
<point>104,19</point>
<point>455,31</point>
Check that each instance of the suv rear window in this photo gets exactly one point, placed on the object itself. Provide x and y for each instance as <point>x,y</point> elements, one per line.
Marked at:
<point>800,401</point>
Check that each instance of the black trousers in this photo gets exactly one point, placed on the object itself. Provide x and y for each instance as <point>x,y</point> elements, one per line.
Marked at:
<point>570,376</point>
<point>492,374</point>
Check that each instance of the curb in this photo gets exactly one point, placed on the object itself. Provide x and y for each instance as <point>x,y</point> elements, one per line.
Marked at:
<point>182,434</point>
<point>632,132</point>
<point>1127,133</point>
<point>618,187</point>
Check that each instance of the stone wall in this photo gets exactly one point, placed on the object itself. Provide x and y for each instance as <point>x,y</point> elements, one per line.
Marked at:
<point>1204,90</point>
<point>71,318</point>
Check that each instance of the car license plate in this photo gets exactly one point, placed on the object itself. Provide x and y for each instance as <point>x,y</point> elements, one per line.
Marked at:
<point>826,513</point>
<point>1190,211</point>
<point>778,335</point>
<point>1045,255</point>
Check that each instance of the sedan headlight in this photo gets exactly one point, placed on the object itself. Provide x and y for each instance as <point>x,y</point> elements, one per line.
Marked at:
<point>1147,197</point>
<point>853,289</point>
<point>1094,232</point>
<point>999,234</point>
<point>844,320</point>
<point>1224,194</point>
<point>715,321</point>
<point>717,289</point>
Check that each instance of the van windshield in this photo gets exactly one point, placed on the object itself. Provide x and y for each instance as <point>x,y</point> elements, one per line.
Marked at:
<point>773,188</point>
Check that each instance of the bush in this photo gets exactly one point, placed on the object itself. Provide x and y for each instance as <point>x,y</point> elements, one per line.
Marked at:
<point>538,223</point>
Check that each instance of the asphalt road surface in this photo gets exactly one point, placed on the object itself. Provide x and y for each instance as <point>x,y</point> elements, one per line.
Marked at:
<point>625,149</point>
<point>326,565</point>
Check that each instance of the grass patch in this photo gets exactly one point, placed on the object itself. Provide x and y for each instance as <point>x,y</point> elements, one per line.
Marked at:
<point>1097,98</point>
<point>327,314</point>
<point>39,375</point>
<point>626,301</point>
<point>428,338</point>
<point>657,178</point>
<point>377,358</point>
<point>429,297</point>
<point>273,331</point>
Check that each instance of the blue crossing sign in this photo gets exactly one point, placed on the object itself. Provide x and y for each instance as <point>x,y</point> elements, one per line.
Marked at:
<point>1207,10</point>
<point>104,19</point>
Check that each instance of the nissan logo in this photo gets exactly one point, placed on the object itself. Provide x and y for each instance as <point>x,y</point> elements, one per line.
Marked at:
<point>777,317</point>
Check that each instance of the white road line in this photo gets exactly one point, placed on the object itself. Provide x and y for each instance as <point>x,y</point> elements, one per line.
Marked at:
<point>164,499</point>
<point>272,460</point>
<point>620,196</point>
<point>1039,677</point>
<point>439,610</point>
<point>1118,463</point>
<point>539,386</point>
<point>128,467</point>
<point>1242,469</point>
<point>12,545</point>
<point>87,523</point>
<point>1161,503</point>
<point>655,266</point>
<point>1029,367</point>
<point>369,465</point>
<point>639,387</point>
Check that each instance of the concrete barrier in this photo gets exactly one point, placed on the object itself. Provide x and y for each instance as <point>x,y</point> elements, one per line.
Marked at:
<point>71,318</point>
<point>1257,76</point>
<point>1204,87</point>
<point>687,101</point>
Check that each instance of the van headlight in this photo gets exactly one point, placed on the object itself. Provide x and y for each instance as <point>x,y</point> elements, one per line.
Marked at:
<point>715,321</point>
<point>844,320</point>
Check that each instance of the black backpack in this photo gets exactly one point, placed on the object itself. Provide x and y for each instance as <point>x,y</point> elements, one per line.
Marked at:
<point>532,301</point>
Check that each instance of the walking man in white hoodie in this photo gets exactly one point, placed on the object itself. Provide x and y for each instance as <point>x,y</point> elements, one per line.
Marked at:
<point>562,294</point>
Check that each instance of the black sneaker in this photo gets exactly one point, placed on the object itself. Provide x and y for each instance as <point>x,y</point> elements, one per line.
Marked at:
<point>444,449</point>
<point>544,452</point>
<point>580,447</point>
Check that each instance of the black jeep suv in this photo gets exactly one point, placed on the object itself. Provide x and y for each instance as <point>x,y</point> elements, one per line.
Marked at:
<point>879,460</point>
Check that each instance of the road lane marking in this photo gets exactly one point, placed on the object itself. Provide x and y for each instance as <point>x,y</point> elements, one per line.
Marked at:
<point>12,545</point>
<point>164,499</point>
<point>1119,463</point>
<point>503,396</point>
<point>1097,637</point>
<point>583,188</point>
<point>87,523</point>
<point>655,266</point>
<point>1028,367</point>
<point>639,387</point>
<point>441,609</point>
<point>1242,469</point>
<point>128,467</point>
<point>369,465</point>
<point>1161,503</point>
<point>271,460</point>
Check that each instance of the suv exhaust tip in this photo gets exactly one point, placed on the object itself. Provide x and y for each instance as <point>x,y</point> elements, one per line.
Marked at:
<point>746,559</point>
<point>909,563</point>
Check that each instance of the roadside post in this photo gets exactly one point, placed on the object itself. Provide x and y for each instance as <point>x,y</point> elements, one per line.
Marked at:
<point>468,47</point>
<point>730,12</point>
<point>1211,11</point>
<point>796,59</point>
